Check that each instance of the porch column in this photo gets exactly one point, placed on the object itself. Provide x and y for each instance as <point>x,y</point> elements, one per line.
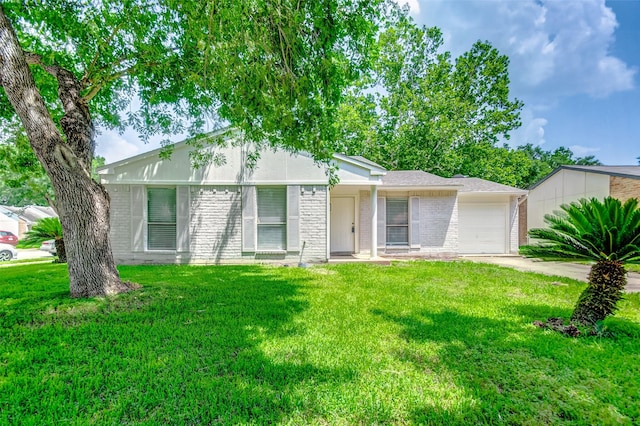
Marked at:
<point>374,221</point>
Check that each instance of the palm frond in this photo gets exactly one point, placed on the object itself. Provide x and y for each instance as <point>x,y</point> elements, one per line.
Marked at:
<point>44,229</point>
<point>589,229</point>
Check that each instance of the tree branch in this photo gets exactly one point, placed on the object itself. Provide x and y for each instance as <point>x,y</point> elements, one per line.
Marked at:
<point>87,72</point>
<point>23,95</point>
<point>76,122</point>
<point>93,90</point>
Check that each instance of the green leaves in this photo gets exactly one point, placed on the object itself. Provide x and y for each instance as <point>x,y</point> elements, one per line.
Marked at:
<point>44,229</point>
<point>274,70</point>
<point>428,110</point>
<point>592,230</point>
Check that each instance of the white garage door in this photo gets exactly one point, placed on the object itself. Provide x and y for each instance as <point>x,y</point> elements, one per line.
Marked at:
<point>482,228</point>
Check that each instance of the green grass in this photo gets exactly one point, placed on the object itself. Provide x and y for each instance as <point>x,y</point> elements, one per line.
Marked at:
<point>411,343</point>
<point>25,245</point>
<point>632,268</point>
<point>33,260</point>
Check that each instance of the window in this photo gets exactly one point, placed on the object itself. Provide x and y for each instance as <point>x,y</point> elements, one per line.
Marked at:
<point>397,222</point>
<point>272,218</point>
<point>161,218</point>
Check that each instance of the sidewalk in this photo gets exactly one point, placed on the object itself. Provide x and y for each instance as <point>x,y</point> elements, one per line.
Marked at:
<point>577,271</point>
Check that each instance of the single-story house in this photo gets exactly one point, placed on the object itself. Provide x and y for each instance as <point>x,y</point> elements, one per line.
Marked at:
<point>284,209</point>
<point>571,183</point>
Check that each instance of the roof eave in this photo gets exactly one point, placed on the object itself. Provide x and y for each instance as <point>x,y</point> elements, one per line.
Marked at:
<point>374,171</point>
<point>420,187</point>
<point>108,169</point>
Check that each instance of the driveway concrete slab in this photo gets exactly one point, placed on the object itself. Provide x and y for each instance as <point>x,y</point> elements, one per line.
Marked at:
<point>576,271</point>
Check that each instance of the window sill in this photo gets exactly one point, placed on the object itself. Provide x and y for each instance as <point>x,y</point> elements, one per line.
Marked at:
<point>267,252</point>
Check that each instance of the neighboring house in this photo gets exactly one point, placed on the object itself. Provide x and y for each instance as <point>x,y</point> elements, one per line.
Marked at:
<point>11,222</point>
<point>19,220</point>
<point>571,183</point>
<point>282,209</point>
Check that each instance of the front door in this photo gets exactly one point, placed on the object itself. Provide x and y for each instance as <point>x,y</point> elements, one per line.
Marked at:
<point>342,225</point>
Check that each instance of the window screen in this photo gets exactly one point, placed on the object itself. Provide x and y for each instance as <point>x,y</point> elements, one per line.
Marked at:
<point>397,221</point>
<point>272,218</point>
<point>161,218</point>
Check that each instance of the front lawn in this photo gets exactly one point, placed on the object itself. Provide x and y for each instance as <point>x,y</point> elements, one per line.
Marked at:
<point>632,268</point>
<point>411,343</point>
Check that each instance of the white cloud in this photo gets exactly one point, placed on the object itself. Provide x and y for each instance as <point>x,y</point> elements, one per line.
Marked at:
<point>113,146</point>
<point>583,151</point>
<point>556,47</point>
<point>532,129</point>
<point>414,6</point>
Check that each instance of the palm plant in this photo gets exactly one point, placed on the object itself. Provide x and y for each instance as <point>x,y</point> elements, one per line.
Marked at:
<point>46,229</point>
<point>607,232</point>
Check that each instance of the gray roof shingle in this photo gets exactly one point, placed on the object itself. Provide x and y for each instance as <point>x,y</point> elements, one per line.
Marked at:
<point>416,178</point>
<point>472,184</point>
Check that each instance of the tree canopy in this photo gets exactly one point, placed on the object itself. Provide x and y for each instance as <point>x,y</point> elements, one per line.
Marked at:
<point>274,70</point>
<point>422,110</point>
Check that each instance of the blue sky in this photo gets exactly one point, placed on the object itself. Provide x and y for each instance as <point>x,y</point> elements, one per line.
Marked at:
<point>574,63</point>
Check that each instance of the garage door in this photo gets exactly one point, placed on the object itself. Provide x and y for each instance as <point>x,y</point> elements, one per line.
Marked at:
<point>482,228</point>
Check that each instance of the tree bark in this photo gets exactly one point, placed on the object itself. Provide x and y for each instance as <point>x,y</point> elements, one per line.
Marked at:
<point>607,280</point>
<point>61,251</point>
<point>81,203</point>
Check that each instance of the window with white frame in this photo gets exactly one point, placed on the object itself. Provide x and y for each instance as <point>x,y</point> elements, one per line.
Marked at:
<point>397,213</point>
<point>161,218</point>
<point>272,218</point>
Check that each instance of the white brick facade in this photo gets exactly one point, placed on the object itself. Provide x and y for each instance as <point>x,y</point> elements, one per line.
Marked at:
<point>438,221</point>
<point>120,220</point>
<point>439,228</point>
<point>313,223</point>
<point>514,226</point>
<point>215,228</point>
<point>217,218</point>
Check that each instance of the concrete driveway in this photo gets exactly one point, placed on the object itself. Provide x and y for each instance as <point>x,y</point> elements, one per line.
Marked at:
<point>33,254</point>
<point>576,271</point>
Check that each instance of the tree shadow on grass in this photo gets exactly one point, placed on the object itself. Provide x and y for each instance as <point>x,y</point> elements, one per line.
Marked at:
<point>503,370</point>
<point>184,349</point>
<point>28,290</point>
<point>614,327</point>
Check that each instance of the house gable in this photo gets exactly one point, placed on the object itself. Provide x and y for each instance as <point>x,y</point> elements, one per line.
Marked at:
<point>230,166</point>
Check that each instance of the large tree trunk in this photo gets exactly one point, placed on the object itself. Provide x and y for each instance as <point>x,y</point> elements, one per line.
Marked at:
<point>81,203</point>
<point>607,280</point>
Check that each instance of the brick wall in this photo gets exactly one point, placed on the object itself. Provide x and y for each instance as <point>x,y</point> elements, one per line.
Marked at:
<point>514,226</point>
<point>624,188</point>
<point>365,221</point>
<point>522,224</point>
<point>438,220</point>
<point>215,225</point>
<point>120,221</point>
<point>313,223</point>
